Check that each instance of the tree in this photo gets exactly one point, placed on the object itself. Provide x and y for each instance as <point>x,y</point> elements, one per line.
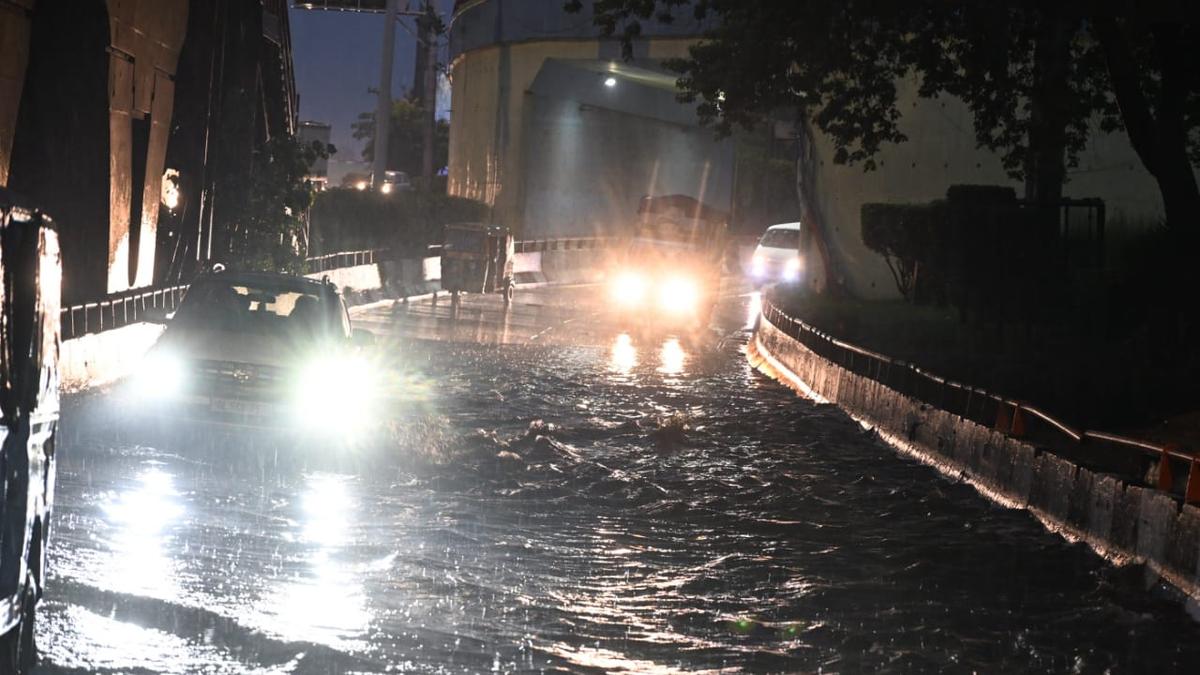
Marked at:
<point>270,226</point>
<point>405,138</point>
<point>1034,75</point>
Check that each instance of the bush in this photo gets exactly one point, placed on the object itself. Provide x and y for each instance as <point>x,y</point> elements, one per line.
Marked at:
<point>405,222</point>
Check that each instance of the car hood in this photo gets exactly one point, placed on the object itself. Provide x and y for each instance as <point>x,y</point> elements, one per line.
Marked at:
<point>241,347</point>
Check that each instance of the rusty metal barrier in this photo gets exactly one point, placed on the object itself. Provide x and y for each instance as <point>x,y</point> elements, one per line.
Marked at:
<point>1011,417</point>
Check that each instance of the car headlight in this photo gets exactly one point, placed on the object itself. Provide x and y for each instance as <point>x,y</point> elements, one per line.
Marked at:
<point>160,374</point>
<point>679,295</point>
<point>791,271</point>
<point>628,288</point>
<point>336,393</point>
<point>758,266</point>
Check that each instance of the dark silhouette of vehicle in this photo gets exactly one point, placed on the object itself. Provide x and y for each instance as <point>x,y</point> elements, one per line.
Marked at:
<point>30,297</point>
<point>478,258</point>
<point>668,274</point>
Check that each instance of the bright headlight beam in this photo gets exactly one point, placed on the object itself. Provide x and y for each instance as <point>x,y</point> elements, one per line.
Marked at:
<point>160,374</point>
<point>628,288</point>
<point>678,295</point>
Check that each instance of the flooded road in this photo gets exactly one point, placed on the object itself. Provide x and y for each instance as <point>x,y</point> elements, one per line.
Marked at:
<point>559,496</point>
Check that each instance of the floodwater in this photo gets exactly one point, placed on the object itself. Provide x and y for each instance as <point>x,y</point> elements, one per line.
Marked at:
<point>556,495</point>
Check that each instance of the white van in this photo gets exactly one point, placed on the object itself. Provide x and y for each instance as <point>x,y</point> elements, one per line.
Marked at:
<point>778,258</point>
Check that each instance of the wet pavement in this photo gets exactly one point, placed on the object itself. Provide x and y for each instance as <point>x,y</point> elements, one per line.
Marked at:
<point>555,495</point>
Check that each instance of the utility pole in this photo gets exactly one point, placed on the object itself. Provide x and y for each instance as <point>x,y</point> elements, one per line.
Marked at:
<point>383,107</point>
<point>428,31</point>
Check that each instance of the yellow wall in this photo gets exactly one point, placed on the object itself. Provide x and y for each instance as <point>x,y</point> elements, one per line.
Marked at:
<point>486,134</point>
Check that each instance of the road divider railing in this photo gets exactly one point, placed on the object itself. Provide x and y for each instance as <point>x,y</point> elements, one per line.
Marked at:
<point>130,307</point>
<point>1012,417</point>
<point>119,310</point>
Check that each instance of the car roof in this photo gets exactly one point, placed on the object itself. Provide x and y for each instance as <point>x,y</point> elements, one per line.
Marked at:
<point>785,226</point>
<point>288,281</point>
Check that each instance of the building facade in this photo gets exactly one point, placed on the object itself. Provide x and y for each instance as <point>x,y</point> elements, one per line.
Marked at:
<point>97,98</point>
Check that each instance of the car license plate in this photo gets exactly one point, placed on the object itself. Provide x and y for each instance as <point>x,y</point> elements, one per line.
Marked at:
<point>235,407</point>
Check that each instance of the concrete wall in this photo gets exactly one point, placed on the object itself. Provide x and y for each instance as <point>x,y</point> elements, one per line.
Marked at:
<point>1121,521</point>
<point>589,167</point>
<point>497,49</point>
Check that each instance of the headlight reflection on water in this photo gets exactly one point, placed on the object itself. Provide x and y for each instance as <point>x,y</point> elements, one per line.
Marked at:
<point>141,518</point>
<point>624,355</point>
<point>324,602</point>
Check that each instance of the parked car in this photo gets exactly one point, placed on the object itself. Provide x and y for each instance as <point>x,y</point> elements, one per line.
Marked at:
<point>263,351</point>
<point>778,258</point>
<point>31,268</point>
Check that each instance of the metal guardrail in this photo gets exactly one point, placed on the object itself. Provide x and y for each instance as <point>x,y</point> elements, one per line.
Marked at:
<point>333,261</point>
<point>563,244</point>
<point>123,309</point>
<point>117,311</point>
<point>1012,417</point>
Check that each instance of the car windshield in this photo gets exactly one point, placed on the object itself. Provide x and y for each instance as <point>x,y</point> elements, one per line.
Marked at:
<point>465,239</point>
<point>781,239</point>
<point>241,306</point>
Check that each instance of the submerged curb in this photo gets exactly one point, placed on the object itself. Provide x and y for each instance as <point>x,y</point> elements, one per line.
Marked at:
<point>1126,523</point>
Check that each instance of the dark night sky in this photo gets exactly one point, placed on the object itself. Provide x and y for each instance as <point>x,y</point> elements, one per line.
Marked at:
<point>337,58</point>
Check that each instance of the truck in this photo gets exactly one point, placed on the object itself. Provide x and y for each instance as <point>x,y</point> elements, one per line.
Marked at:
<point>668,273</point>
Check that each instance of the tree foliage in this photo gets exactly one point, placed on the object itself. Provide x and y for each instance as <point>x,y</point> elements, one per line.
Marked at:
<point>269,229</point>
<point>405,138</point>
<point>1035,75</point>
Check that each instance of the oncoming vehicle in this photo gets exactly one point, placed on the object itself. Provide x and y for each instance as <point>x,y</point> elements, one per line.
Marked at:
<point>669,273</point>
<point>478,258</point>
<point>261,350</point>
<point>31,296</point>
<point>777,258</point>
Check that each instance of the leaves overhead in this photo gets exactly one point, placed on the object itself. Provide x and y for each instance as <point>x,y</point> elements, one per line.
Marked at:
<point>837,64</point>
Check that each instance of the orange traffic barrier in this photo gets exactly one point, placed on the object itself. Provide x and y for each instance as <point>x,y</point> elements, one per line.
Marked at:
<point>1166,477</point>
<point>1003,418</point>
<point>1018,422</point>
<point>1191,495</point>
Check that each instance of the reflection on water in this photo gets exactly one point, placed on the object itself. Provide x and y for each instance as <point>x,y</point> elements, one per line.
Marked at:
<point>624,355</point>
<point>325,602</point>
<point>672,357</point>
<point>753,309</point>
<point>141,518</point>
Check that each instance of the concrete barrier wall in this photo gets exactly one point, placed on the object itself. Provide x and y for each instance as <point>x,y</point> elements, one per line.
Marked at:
<point>99,358</point>
<point>1125,522</point>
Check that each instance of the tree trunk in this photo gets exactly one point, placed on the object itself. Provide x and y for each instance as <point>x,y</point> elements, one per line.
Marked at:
<point>1045,164</point>
<point>1160,139</point>
<point>810,212</point>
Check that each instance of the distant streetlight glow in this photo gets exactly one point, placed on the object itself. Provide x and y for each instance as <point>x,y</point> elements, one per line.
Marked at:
<point>610,82</point>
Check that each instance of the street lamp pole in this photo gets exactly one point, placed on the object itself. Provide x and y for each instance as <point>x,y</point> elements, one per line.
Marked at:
<point>383,107</point>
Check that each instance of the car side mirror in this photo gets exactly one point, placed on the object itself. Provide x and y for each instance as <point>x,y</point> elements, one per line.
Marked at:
<point>157,315</point>
<point>362,338</point>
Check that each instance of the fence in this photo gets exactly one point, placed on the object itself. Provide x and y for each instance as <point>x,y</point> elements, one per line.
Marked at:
<point>123,309</point>
<point>1012,417</point>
